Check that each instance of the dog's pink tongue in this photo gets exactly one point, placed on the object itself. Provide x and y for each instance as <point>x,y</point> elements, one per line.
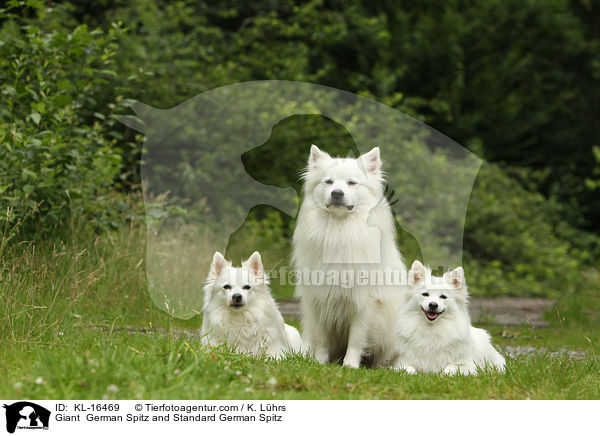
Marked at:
<point>431,315</point>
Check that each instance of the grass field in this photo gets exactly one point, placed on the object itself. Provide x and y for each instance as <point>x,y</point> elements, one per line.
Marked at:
<point>72,317</point>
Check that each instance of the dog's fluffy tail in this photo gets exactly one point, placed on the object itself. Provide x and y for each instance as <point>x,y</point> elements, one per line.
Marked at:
<point>293,338</point>
<point>486,353</point>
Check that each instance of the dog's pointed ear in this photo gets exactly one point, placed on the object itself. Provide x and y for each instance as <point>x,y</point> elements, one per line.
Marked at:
<point>316,156</point>
<point>254,264</point>
<point>372,161</point>
<point>217,265</point>
<point>456,277</point>
<point>417,272</point>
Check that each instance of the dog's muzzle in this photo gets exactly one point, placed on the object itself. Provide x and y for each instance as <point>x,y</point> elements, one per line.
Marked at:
<point>337,199</point>
<point>236,300</point>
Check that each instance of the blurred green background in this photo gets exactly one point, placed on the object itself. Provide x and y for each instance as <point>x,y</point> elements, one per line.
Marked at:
<point>516,82</point>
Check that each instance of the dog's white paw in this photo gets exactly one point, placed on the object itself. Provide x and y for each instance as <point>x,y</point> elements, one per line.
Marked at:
<point>468,370</point>
<point>278,355</point>
<point>410,369</point>
<point>451,370</point>
<point>351,364</point>
<point>407,369</point>
<point>351,361</point>
<point>322,356</point>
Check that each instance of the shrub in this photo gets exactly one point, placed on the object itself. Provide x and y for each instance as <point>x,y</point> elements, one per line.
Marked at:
<point>57,157</point>
<point>512,243</point>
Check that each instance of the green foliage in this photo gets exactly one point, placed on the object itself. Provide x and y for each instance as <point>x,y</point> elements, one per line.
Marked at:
<point>511,244</point>
<point>523,94</point>
<point>593,182</point>
<point>515,81</point>
<point>58,155</point>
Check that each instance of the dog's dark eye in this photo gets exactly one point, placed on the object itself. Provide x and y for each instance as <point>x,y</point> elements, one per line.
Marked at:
<point>246,287</point>
<point>425,294</point>
<point>226,286</point>
<point>351,182</point>
<point>329,181</point>
<point>443,297</point>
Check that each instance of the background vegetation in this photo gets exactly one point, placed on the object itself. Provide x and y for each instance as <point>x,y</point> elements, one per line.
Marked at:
<point>516,82</point>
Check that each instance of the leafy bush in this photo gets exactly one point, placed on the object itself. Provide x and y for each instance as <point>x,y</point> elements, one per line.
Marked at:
<point>512,245</point>
<point>57,158</point>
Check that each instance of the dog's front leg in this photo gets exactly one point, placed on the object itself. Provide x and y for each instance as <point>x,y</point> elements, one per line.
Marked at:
<point>317,346</point>
<point>314,336</point>
<point>317,349</point>
<point>357,339</point>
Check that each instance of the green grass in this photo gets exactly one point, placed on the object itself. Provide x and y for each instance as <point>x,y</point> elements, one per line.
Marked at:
<point>91,365</point>
<point>65,310</point>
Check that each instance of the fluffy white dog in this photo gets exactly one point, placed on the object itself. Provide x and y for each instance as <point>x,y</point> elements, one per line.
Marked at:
<point>241,312</point>
<point>434,328</point>
<point>344,242</point>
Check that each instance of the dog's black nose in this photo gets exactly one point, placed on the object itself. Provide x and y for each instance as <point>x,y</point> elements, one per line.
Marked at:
<point>236,298</point>
<point>337,194</point>
<point>433,305</point>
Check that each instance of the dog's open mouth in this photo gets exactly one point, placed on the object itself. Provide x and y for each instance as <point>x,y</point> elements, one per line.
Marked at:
<point>236,305</point>
<point>432,316</point>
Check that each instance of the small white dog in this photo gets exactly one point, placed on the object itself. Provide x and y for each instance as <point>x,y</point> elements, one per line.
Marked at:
<point>240,311</point>
<point>345,232</point>
<point>434,328</point>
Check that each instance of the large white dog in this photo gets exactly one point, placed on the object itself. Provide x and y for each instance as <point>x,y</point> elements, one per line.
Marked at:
<point>345,251</point>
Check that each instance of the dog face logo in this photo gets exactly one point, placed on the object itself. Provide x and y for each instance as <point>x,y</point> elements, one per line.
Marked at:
<point>26,415</point>
<point>194,164</point>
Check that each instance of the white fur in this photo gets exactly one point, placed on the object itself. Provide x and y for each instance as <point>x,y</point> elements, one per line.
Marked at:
<point>255,326</point>
<point>358,234</point>
<point>449,343</point>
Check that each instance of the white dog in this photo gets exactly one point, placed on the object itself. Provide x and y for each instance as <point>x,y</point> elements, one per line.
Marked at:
<point>240,311</point>
<point>434,328</point>
<point>345,231</point>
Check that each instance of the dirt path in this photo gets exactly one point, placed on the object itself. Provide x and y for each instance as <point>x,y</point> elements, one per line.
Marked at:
<point>504,310</point>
